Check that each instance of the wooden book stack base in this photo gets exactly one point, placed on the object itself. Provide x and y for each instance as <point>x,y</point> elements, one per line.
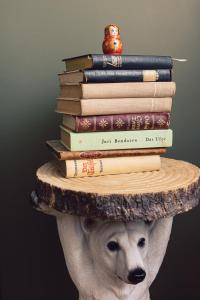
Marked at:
<point>146,195</point>
<point>110,252</point>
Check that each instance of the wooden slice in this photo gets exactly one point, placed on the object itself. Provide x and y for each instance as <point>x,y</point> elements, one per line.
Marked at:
<point>147,195</point>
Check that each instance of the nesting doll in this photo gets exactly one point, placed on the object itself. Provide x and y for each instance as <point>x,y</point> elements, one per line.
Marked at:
<point>112,43</point>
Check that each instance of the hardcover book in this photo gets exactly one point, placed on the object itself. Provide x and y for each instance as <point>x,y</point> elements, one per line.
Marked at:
<point>109,166</point>
<point>62,153</point>
<point>102,61</point>
<point>90,107</point>
<point>99,76</point>
<point>116,140</point>
<point>141,121</point>
<point>118,90</point>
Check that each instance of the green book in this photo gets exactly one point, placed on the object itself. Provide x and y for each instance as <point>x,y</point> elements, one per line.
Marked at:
<point>116,139</point>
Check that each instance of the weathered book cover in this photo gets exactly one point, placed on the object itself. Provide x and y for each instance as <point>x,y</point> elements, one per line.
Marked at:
<point>99,76</point>
<point>140,121</point>
<point>109,166</point>
<point>112,106</point>
<point>116,140</point>
<point>62,153</point>
<point>118,90</point>
<point>102,61</point>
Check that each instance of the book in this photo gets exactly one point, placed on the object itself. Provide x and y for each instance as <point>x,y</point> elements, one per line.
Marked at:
<point>139,121</point>
<point>115,139</point>
<point>102,61</point>
<point>90,107</point>
<point>118,90</point>
<point>109,166</point>
<point>62,153</point>
<point>98,76</point>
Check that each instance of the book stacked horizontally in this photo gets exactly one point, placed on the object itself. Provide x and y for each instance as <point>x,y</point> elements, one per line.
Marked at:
<point>116,114</point>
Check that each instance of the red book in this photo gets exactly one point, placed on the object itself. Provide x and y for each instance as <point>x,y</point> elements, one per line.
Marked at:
<point>135,121</point>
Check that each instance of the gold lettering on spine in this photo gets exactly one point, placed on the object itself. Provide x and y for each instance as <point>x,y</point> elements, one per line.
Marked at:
<point>150,75</point>
<point>116,61</point>
<point>138,122</point>
<point>104,61</point>
<point>133,123</point>
<point>147,122</point>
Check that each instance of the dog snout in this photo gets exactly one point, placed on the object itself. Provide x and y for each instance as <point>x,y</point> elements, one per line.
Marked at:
<point>136,276</point>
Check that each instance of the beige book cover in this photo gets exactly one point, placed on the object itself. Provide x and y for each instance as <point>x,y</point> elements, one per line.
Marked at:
<point>90,107</point>
<point>109,166</point>
<point>119,90</point>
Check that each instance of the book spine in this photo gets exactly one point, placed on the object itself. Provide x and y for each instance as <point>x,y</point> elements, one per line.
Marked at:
<point>141,121</point>
<point>127,90</point>
<point>96,76</point>
<point>118,140</point>
<point>124,106</point>
<point>108,166</point>
<point>61,153</point>
<point>88,107</point>
<point>141,62</point>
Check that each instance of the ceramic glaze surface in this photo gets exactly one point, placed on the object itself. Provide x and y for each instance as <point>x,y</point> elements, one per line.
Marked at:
<point>113,260</point>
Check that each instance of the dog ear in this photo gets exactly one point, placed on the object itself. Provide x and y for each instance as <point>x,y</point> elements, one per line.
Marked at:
<point>88,224</point>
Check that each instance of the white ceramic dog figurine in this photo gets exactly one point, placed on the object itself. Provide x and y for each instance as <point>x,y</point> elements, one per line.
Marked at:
<point>112,260</point>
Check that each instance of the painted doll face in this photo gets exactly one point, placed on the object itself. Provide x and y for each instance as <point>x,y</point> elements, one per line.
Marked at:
<point>112,30</point>
<point>112,43</point>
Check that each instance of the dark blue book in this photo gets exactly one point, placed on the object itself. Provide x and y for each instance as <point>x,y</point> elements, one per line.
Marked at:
<point>108,76</point>
<point>124,62</point>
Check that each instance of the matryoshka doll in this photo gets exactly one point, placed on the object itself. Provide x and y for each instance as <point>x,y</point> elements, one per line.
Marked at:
<point>112,43</point>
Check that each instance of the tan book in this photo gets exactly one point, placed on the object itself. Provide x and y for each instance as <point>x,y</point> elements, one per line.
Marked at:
<point>118,90</point>
<point>90,107</point>
<point>62,153</point>
<point>109,166</point>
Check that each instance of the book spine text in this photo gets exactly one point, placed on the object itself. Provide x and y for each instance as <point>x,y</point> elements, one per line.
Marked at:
<point>142,62</point>
<point>141,121</point>
<point>108,166</point>
<point>97,76</point>
<point>117,140</point>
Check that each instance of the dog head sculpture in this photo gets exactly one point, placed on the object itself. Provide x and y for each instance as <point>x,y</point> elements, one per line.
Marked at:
<point>117,248</point>
<point>111,260</point>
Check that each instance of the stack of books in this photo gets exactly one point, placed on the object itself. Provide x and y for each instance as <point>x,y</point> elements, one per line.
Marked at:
<point>116,114</point>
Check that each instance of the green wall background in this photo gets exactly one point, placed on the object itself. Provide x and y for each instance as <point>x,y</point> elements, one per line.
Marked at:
<point>34,37</point>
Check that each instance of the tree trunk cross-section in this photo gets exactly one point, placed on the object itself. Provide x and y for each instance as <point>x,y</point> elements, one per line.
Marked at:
<point>146,195</point>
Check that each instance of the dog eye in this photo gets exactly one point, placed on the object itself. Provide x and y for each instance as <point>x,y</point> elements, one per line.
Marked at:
<point>141,243</point>
<point>113,246</point>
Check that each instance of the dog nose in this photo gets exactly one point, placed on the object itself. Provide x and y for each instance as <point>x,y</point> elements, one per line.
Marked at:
<point>136,276</point>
